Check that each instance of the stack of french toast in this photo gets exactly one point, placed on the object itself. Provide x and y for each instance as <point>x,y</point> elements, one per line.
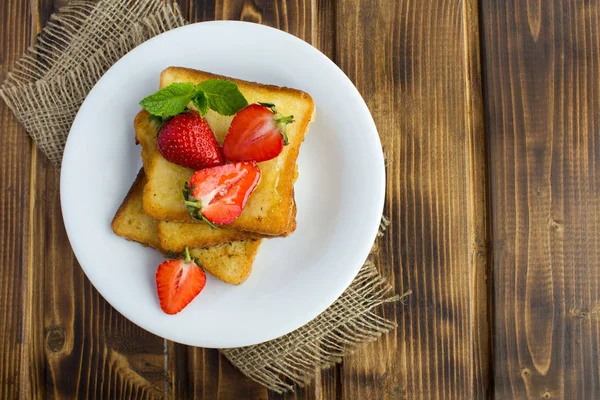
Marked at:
<point>155,212</point>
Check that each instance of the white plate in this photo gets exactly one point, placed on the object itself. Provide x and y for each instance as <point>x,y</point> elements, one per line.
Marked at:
<point>339,193</point>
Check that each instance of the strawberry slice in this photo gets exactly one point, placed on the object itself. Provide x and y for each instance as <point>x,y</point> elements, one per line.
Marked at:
<point>218,195</point>
<point>187,140</point>
<point>257,133</point>
<point>178,282</point>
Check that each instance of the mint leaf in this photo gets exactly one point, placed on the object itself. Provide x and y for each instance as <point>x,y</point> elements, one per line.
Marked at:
<point>155,120</point>
<point>223,96</point>
<point>169,101</point>
<point>200,102</point>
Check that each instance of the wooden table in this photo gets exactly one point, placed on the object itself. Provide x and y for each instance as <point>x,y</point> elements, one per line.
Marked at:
<point>489,114</point>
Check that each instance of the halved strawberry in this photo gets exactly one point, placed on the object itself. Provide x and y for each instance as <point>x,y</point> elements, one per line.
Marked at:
<point>257,133</point>
<point>186,139</point>
<point>178,282</point>
<point>218,195</point>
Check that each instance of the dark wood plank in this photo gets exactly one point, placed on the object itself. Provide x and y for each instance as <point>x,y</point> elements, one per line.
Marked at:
<point>430,128</point>
<point>541,63</point>
<point>206,373</point>
<point>19,364</point>
<point>89,350</point>
<point>416,64</point>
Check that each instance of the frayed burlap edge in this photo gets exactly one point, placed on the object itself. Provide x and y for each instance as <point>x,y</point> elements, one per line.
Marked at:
<point>352,320</point>
<point>45,91</point>
<point>49,83</point>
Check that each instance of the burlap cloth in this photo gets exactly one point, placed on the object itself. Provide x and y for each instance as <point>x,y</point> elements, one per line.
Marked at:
<point>47,87</point>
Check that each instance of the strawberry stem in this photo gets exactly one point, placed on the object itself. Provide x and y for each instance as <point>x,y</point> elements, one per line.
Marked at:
<point>187,255</point>
<point>280,120</point>
<point>268,105</point>
<point>200,265</point>
<point>284,120</point>
<point>203,218</point>
<point>194,207</point>
<point>194,204</point>
<point>282,124</point>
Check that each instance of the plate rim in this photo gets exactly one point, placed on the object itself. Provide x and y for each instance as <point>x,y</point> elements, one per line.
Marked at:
<point>310,314</point>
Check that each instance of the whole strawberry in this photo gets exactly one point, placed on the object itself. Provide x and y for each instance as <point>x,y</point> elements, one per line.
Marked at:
<point>187,140</point>
<point>257,133</point>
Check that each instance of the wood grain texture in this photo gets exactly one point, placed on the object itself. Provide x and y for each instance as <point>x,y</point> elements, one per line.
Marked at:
<point>416,64</point>
<point>19,370</point>
<point>83,348</point>
<point>206,374</point>
<point>541,62</point>
<point>71,343</point>
<point>90,350</point>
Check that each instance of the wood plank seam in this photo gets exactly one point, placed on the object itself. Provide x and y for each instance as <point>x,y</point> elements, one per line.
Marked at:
<point>478,175</point>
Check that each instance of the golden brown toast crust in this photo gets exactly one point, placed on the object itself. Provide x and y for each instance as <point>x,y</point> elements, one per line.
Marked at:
<point>174,236</point>
<point>231,262</point>
<point>197,76</point>
<point>276,218</point>
<point>130,223</point>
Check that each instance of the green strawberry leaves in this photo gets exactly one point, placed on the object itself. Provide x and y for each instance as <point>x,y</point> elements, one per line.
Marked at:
<point>194,206</point>
<point>280,120</point>
<point>219,95</point>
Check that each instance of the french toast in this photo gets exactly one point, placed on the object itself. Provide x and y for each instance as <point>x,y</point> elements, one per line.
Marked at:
<point>175,236</point>
<point>230,262</point>
<point>271,208</point>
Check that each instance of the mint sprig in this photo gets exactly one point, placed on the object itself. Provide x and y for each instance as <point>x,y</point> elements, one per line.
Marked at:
<point>219,95</point>
<point>223,96</point>
<point>200,101</point>
<point>169,101</point>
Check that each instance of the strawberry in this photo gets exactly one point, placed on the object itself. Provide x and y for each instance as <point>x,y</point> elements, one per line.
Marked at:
<point>257,133</point>
<point>187,140</point>
<point>218,195</point>
<point>178,282</point>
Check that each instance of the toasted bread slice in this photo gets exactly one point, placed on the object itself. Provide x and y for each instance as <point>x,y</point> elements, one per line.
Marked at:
<point>130,221</point>
<point>176,236</point>
<point>271,208</point>
<point>231,262</point>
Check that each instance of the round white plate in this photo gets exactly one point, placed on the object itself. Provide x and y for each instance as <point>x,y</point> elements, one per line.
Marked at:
<point>339,193</point>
